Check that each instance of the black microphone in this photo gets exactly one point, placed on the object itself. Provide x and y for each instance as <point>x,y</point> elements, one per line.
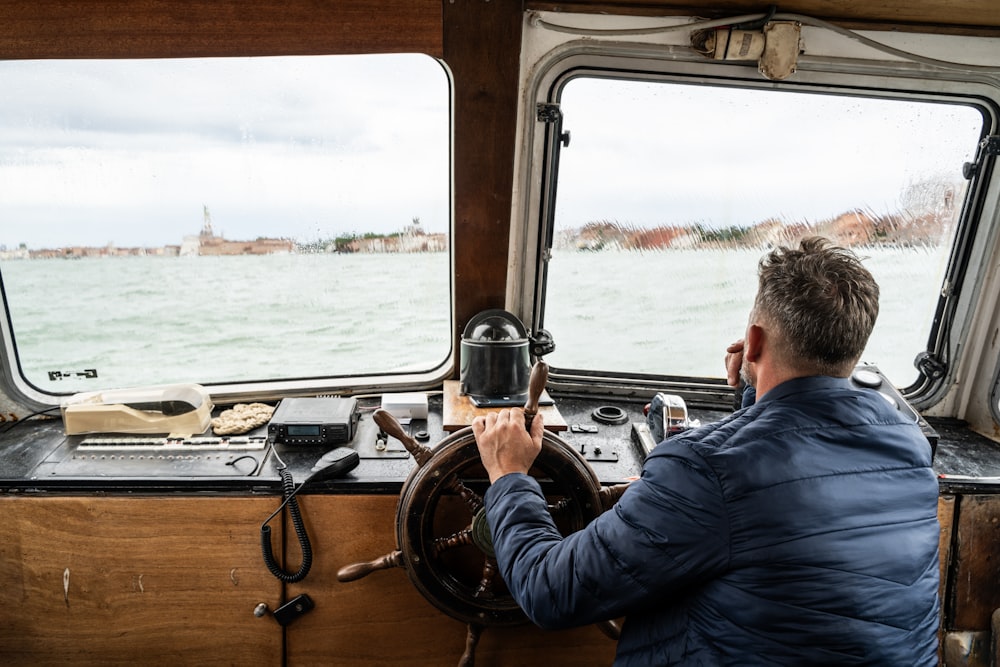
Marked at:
<point>168,408</point>
<point>174,401</point>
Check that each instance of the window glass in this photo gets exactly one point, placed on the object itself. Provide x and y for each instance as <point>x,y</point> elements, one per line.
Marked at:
<point>669,194</point>
<point>225,220</point>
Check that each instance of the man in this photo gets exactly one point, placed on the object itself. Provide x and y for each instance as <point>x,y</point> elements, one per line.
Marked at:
<point>800,530</point>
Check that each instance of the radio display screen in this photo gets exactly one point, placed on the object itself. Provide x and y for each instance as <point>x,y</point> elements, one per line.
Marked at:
<point>302,429</point>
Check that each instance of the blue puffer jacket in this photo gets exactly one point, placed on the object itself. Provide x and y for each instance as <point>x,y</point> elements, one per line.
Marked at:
<point>801,530</point>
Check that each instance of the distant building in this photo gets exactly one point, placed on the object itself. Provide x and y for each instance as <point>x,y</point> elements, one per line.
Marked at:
<point>207,243</point>
<point>17,253</point>
<point>411,239</point>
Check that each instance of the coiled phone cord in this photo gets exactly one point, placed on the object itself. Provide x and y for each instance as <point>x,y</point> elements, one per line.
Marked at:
<point>289,491</point>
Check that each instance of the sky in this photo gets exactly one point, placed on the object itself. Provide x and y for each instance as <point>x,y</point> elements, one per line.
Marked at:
<point>734,157</point>
<point>131,153</point>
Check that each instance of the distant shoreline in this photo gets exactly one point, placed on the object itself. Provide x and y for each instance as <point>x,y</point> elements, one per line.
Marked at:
<point>853,228</point>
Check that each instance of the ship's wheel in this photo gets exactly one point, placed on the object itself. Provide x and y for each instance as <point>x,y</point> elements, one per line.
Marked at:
<point>443,540</point>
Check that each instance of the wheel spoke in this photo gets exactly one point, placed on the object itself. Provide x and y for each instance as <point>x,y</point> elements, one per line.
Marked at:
<point>489,576</point>
<point>459,539</point>
<point>610,629</point>
<point>359,570</point>
<point>560,506</point>
<point>472,636</point>
<point>472,499</point>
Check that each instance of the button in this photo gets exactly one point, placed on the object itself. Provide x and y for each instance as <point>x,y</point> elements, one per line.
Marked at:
<point>867,378</point>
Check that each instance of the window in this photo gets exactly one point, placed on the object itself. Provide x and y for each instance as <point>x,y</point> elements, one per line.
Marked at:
<point>670,192</point>
<point>230,220</point>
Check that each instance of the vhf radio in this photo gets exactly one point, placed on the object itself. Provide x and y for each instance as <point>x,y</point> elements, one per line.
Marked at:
<point>314,421</point>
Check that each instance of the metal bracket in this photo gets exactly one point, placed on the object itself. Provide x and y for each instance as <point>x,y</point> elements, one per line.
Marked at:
<point>547,112</point>
<point>991,145</point>
<point>291,610</point>
<point>782,44</point>
<point>598,453</point>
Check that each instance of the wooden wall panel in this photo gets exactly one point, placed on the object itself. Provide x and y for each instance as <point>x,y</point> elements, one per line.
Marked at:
<point>174,580</point>
<point>165,28</point>
<point>482,43</point>
<point>975,564</point>
<point>383,620</point>
<point>135,581</point>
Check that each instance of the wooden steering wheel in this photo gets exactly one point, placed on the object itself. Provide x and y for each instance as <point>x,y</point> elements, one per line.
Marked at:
<point>443,540</point>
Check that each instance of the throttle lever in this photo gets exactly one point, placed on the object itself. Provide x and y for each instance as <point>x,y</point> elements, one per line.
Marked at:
<point>391,426</point>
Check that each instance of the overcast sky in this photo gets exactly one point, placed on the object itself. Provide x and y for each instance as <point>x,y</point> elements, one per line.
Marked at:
<point>648,155</point>
<point>129,152</point>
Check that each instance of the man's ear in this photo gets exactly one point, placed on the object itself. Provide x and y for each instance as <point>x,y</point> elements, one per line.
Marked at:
<point>754,345</point>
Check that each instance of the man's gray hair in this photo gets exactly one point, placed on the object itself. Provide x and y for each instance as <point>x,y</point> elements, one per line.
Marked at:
<point>821,304</point>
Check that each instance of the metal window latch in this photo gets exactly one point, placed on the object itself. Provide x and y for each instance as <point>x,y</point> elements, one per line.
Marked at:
<point>931,367</point>
<point>988,147</point>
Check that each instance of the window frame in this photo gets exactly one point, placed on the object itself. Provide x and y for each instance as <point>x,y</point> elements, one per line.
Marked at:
<point>15,385</point>
<point>539,164</point>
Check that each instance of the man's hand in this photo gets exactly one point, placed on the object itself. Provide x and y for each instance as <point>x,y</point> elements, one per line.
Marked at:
<point>504,444</point>
<point>734,361</point>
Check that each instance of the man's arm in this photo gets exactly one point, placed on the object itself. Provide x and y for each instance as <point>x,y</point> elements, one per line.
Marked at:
<point>667,533</point>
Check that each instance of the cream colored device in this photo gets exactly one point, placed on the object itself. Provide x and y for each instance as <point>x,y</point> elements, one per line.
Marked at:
<point>183,409</point>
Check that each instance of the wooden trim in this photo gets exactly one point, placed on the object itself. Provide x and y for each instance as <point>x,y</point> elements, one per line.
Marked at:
<point>482,43</point>
<point>946,517</point>
<point>200,28</point>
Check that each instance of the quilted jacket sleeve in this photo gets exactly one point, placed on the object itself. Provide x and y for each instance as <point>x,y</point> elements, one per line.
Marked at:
<point>668,532</point>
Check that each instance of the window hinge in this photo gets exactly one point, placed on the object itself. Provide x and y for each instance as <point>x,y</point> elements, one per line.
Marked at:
<point>551,113</point>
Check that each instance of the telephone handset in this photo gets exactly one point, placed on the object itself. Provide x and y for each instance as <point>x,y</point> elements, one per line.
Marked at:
<point>338,461</point>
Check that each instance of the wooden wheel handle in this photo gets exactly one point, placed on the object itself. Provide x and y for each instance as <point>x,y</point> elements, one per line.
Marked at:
<point>536,385</point>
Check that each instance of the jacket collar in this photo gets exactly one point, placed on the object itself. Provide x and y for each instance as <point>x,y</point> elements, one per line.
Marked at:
<point>802,384</point>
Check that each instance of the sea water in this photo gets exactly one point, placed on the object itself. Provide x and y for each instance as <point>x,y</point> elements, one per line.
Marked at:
<point>126,321</point>
<point>674,312</point>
